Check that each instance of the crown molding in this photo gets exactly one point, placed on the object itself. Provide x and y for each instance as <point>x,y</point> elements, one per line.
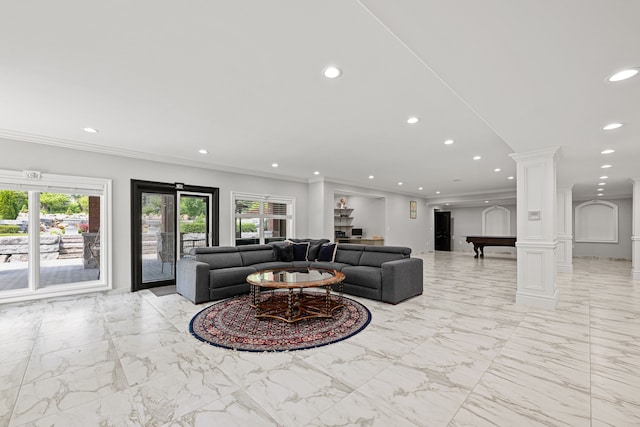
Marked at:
<point>133,154</point>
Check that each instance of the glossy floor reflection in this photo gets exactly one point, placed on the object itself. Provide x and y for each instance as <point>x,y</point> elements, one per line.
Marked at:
<point>462,354</point>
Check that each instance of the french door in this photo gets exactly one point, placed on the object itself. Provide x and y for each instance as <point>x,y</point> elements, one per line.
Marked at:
<point>166,221</point>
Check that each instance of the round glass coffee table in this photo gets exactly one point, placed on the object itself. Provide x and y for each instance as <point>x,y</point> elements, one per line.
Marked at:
<point>293,294</point>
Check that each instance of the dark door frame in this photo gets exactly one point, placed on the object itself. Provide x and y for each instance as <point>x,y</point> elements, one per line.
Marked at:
<point>140,186</point>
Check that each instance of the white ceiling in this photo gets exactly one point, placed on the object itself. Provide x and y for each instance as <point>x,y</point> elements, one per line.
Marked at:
<point>161,80</point>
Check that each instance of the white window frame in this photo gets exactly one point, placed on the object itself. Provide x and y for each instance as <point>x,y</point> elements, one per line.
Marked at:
<point>36,182</point>
<point>290,201</point>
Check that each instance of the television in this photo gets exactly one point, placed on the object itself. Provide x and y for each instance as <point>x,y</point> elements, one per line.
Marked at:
<point>356,232</point>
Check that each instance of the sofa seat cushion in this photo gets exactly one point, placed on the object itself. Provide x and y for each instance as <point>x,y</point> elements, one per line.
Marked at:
<point>369,277</point>
<point>300,264</point>
<point>272,265</point>
<point>229,276</point>
<point>329,265</point>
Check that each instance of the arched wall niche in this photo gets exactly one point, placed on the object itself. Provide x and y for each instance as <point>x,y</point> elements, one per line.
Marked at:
<point>496,221</point>
<point>596,221</point>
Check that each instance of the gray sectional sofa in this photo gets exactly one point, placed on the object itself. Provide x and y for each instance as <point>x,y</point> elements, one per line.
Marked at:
<point>383,273</point>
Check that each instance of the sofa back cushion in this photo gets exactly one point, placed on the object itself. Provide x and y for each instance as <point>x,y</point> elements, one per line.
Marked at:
<point>374,256</point>
<point>218,256</point>
<point>255,254</point>
<point>348,253</point>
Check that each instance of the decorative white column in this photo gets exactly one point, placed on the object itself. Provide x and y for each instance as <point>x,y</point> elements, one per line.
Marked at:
<point>564,223</point>
<point>635,231</point>
<point>318,208</point>
<point>536,231</point>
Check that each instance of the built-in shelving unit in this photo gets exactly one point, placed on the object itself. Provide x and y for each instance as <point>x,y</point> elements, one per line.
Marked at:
<point>342,220</point>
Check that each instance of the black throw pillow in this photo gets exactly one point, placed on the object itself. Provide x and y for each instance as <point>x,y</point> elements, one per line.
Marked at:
<point>300,251</point>
<point>314,248</point>
<point>327,252</point>
<point>284,253</point>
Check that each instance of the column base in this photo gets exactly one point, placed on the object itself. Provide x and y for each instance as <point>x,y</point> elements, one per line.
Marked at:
<point>565,268</point>
<point>635,256</point>
<point>538,301</point>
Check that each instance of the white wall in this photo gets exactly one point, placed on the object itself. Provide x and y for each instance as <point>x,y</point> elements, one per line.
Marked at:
<point>468,222</point>
<point>622,249</point>
<point>19,155</point>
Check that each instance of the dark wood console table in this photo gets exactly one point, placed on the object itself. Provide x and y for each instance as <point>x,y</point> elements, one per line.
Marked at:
<point>479,242</point>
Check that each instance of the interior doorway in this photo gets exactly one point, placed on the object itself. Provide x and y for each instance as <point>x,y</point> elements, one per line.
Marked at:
<point>442,231</point>
<point>166,221</point>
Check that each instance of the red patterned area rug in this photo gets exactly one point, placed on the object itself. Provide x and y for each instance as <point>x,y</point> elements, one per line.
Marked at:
<point>232,324</point>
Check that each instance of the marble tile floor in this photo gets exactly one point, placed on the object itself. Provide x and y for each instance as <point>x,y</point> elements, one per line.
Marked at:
<point>462,354</point>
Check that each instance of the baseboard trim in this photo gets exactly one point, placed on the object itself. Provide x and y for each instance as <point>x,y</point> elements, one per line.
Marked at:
<point>538,301</point>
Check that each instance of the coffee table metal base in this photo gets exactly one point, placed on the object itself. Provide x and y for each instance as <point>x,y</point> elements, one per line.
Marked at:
<point>292,305</point>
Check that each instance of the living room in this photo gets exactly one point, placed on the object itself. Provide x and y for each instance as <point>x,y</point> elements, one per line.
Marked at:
<point>402,109</point>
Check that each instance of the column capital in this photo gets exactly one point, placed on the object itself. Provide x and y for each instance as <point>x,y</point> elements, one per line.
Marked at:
<point>546,153</point>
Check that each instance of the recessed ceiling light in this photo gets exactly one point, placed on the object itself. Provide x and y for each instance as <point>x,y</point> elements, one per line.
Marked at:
<point>602,183</point>
<point>371,176</point>
<point>476,157</point>
<point>486,201</point>
<point>332,72</point>
<point>274,165</point>
<point>316,173</point>
<point>413,120</point>
<point>437,192</point>
<point>202,151</point>
<point>400,183</point>
<point>623,75</point>
<point>605,166</point>
<point>608,151</point>
<point>600,194</point>
<point>603,177</point>
<point>449,142</point>
<point>510,177</point>
<point>447,204</point>
<point>612,126</point>
<point>420,188</point>
<point>497,170</point>
<point>90,130</point>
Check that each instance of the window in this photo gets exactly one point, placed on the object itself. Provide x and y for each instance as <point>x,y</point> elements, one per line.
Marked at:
<point>54,234</point>
<point>262,219</point>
